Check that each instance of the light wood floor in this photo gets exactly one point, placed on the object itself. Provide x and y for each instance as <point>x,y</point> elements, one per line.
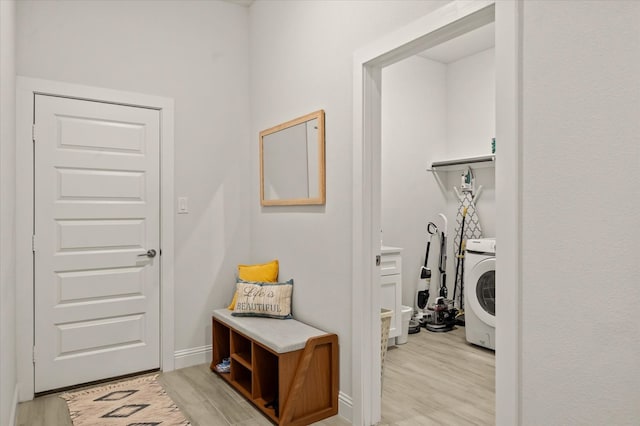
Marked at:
<point>434,379</point>
<point>438,379</point>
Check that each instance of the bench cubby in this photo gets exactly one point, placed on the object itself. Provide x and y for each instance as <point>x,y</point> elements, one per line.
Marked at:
<point>287,369</point>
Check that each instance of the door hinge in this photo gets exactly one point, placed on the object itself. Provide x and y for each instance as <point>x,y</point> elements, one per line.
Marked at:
<point>33,243</point>
<point>378,260</point>
<point>33,132</point>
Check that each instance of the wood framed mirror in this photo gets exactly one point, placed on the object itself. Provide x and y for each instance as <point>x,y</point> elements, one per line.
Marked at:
<point>292,162</point>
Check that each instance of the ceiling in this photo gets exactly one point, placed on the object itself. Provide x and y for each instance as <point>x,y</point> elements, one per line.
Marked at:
<point>475,41</point>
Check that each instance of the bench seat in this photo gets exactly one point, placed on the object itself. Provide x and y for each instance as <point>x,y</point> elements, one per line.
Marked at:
<point>279,335</point>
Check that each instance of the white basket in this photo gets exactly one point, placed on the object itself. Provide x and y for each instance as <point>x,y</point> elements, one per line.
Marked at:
<point>385,324</point>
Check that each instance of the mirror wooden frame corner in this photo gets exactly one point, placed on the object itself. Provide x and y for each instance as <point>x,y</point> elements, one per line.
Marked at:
<point>320,199</point>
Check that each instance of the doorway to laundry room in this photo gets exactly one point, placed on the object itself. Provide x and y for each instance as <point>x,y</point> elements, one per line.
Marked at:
<point>438,125</point>
<point>446,23</point>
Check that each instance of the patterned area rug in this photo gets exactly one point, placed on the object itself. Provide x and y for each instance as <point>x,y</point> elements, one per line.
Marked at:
<point>137,402</point>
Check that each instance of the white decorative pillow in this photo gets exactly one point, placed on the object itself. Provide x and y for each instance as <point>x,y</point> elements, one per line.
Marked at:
<point>257,299</point>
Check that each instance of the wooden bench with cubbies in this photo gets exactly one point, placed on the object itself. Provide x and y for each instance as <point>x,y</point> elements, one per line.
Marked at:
<point>287,369</point>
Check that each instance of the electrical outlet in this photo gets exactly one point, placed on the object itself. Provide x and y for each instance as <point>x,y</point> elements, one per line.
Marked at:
<point>183,205</point>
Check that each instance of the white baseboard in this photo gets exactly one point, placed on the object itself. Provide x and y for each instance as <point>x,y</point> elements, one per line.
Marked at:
<point>345,406</point>
<point>14,407</point>
<point>192,356</point>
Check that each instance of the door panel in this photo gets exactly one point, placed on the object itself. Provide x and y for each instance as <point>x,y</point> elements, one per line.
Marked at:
<point>99,335</point>
<point>92,233</point>
<point>93,184</point>
<point>101,135</point>
<point>96,212</point>
<point>81,286</point>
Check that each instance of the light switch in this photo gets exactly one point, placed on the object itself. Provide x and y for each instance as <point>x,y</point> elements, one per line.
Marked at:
<point>183,205</point>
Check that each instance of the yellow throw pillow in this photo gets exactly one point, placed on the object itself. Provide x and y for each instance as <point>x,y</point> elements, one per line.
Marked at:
<point>263,272</point>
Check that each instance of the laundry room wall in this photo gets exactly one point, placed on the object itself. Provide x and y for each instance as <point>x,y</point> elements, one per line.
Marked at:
<point>471,105</point>
<point>195,52</point>
<point>302,60</point>
<point>414,115</point>
<point>580,333</point>
<point>8,389</point>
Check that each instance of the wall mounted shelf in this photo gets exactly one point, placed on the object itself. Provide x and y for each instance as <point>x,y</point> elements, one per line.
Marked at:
<point>461,163</point>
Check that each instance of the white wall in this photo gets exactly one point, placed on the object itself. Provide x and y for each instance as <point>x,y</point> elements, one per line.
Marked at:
<point>580,233</point>
<point>197,53</point>
<point>7,213</point>
<point>471,112</point>
<point>414,117</point>
<point>302,58</point>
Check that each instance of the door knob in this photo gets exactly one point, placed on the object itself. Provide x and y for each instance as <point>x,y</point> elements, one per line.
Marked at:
<point>150,253</point>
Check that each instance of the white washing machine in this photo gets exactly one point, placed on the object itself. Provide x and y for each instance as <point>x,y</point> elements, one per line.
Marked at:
<point>480,292</point>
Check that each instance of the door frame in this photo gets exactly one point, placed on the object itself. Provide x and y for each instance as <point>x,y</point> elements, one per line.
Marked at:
<point>442,24</point>
<point>26,89</point>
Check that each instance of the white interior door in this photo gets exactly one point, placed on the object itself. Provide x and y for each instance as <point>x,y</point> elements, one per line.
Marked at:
<point>97,213</point>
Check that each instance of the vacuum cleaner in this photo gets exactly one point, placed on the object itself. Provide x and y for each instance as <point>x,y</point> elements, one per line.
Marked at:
<point>440,316</point>
<point>422,295</point>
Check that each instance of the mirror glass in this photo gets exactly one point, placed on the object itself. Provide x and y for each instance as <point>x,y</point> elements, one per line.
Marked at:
<point>292,162</point>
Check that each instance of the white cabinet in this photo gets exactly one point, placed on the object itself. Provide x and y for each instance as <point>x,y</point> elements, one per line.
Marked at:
<point>391,287</point>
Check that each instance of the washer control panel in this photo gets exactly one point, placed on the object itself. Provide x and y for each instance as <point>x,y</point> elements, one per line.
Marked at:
<point>482,245</point>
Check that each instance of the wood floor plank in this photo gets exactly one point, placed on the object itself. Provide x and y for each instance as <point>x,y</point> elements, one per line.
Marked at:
<point>333,421</point>
<point>32,413</point>
<point>260,420</point>
<point>215,389</point>
<point>58,409</point>
<point>193,404</point>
